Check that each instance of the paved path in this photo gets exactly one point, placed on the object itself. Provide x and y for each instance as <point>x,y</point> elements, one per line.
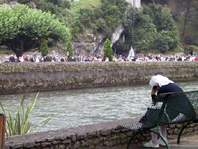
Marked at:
<point>190,142</point>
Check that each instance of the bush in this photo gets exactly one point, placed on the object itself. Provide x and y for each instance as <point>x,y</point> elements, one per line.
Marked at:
<point>161,44</point>
<point>69,51</point>
<point>108,51</point>
<point>161,2</point>
<point>191,40</point>
<point>44,47</point>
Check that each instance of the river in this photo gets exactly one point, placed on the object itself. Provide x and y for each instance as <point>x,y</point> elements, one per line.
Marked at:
<point>72,108</point>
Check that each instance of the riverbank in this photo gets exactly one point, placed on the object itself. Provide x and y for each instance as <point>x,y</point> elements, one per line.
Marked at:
<point>34,77</point>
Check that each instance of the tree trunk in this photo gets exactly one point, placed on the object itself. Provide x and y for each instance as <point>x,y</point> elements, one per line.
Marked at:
<point>186,17</point>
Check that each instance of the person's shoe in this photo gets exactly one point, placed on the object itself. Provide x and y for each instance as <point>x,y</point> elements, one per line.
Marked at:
<point>150,144</point>
<point>161,142</point>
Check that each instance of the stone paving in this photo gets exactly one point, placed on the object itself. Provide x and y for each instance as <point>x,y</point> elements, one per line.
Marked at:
<point>190,142</point>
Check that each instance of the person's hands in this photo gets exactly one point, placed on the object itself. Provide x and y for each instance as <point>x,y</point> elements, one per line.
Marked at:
<point>154,90</point>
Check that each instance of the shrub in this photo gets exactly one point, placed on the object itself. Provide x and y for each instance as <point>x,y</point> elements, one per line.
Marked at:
<point>161,44</point>
<point>44,47</point>
<point>191,40</point>
<point>69,51</point>
<point>108,51</point>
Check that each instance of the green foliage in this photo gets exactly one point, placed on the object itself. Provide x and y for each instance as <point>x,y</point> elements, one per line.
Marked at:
<point>161,2</point>
<point>24,1</point>
<point>22,28</point>
<point>69,49</point>
<point>191,40</point>
<point>20,123</point>
<point>108,51</point>
<point>113,13</point>
<point>151,28</point>
<point>44,47</point>
<point>161,44</point>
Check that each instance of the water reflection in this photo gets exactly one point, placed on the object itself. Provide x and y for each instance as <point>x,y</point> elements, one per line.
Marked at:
<point>87,106</point>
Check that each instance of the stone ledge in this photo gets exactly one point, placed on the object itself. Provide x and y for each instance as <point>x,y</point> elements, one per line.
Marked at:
<point>88,136</point>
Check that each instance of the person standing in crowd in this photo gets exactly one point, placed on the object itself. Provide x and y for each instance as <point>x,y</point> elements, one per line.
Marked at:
<point>12,59</point>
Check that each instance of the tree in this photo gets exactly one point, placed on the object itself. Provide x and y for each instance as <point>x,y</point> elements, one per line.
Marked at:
<point>147,27</point>
<point>44,47</point>
<point>22,28</point>
<point>69,50</point>
<point>108,51</point>
<point>112,12</point>
<point>189,9</point>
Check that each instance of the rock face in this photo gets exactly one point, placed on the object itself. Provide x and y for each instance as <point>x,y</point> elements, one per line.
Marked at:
<point>95,47</point>
<point>116,35</point>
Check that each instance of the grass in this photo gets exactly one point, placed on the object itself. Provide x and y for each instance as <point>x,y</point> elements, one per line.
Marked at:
<point>87,3</point>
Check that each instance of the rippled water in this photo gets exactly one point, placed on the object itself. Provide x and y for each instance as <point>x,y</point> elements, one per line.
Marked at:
<point>87,106</point>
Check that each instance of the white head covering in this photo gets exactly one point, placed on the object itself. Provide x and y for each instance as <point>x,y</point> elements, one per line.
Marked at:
<point>159,80</point>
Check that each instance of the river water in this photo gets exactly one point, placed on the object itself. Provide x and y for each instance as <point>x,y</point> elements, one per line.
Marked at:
<point>72,108</point>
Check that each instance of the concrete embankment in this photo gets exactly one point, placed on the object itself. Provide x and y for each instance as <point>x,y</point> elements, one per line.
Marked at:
<point>23,77</point>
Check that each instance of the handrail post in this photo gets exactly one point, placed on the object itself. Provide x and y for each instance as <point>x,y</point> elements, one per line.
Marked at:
<point>2,130</point>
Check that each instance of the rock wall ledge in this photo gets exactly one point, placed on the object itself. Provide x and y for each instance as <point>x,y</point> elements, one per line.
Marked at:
<point>31,77</point>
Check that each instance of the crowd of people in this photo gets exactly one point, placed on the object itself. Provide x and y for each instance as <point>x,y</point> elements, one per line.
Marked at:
<point>99,58</point>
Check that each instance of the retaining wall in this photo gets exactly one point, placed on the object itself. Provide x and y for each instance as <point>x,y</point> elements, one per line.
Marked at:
<point>97,136</point>
<point>22,77</point>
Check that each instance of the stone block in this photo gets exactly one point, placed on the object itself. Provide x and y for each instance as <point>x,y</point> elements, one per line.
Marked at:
<point>81,136</point>
<point>106,132</point>
<point>170,131</point>
<point>61,147</point>
<point>55,142</point>
<point>91,147</point>
<point>98,133</point>
<point>45,144</point>
<point>172,126</point>
<point>49,139</point>
<point>29,144</point>
<point>130,133</point>
<point>123,136</point>
<point>68,141</point>
<point>91,134</point>
<point>114,137</point>
<point>19,145</point>
<point>76,145</point>
<point>108,143</point>
<point>96,141</point>
<point>60,138</point>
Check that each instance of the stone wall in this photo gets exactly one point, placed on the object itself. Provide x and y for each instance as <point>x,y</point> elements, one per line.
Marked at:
<point>22,77</point>
<point>98,136</point>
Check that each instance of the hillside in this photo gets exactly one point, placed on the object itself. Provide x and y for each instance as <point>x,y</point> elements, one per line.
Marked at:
<point>88,20</point>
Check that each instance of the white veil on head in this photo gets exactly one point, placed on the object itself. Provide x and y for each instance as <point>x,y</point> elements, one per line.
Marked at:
<point>159,80</point>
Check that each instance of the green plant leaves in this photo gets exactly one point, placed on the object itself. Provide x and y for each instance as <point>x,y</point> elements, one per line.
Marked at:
<point>20,123</point>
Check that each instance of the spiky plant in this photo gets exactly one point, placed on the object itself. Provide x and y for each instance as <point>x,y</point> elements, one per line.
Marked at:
<point>20,123</point>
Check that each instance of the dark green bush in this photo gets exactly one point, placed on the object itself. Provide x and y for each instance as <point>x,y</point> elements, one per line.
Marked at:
<point>191,40</point>
<point>161,44</point>
<point>44,47</point>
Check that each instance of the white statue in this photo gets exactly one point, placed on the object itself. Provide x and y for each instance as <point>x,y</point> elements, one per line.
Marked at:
<point>135,3</point>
